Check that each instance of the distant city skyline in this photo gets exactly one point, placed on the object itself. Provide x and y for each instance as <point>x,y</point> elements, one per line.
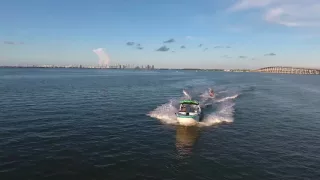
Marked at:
<point>100,66</point>
<point>224,34</point>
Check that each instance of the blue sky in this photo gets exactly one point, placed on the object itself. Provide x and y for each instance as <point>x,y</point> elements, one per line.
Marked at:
<point>258,32</point>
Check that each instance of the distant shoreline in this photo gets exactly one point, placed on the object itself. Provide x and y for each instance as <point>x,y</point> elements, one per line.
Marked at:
<point>269,70</point>
<point>188,69</point>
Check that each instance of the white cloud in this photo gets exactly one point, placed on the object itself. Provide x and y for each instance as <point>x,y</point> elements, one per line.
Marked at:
<point>295,15</point>
<point>189,37</point>
<point>275,15</point>
<point>247,4</point>
<point>291,13</point>
<point>194,38</point>
<point>104,59</point>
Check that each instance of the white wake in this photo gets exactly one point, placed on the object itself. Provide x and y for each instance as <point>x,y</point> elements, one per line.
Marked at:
<point>217,110</point>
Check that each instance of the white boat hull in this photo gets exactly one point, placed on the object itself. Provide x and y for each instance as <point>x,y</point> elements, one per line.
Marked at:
<point>188,121</point>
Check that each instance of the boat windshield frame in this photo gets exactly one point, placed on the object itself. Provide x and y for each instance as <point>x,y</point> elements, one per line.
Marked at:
<point>189,107</point>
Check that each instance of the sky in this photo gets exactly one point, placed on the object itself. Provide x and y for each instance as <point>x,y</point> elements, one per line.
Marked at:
<point>167,33</point>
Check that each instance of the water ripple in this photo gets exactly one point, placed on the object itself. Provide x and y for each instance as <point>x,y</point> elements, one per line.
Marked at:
<point>92,124</point>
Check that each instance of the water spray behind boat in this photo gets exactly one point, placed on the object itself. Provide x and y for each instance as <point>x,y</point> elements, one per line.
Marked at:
<point>219,109</point>
<point>186,94</point>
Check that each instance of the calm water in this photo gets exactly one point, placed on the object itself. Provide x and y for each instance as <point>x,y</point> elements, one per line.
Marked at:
<point>108,124</point>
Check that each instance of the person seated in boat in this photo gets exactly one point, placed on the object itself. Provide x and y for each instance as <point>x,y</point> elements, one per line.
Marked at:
<point>183,109</point>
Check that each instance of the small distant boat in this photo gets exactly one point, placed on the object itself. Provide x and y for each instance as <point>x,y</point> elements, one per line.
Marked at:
<point>190,113</point>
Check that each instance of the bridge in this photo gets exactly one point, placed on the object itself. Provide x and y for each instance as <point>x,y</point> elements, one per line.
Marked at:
<point>288,70</point>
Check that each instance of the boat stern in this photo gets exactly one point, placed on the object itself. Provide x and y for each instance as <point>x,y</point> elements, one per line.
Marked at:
<point>190,120</point>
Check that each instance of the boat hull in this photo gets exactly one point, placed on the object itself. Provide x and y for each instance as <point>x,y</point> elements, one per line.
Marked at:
<point>188,120</point>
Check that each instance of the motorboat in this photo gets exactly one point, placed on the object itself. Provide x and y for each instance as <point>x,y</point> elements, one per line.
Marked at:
<point>189,113</point>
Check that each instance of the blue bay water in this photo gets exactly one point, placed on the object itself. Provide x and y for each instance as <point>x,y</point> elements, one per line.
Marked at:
<point>112,124</point>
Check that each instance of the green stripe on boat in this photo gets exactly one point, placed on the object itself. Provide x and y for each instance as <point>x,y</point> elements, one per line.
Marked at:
<point>185,116</point>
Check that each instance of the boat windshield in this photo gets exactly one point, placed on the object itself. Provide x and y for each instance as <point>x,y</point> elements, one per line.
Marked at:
<point>189,108</point>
